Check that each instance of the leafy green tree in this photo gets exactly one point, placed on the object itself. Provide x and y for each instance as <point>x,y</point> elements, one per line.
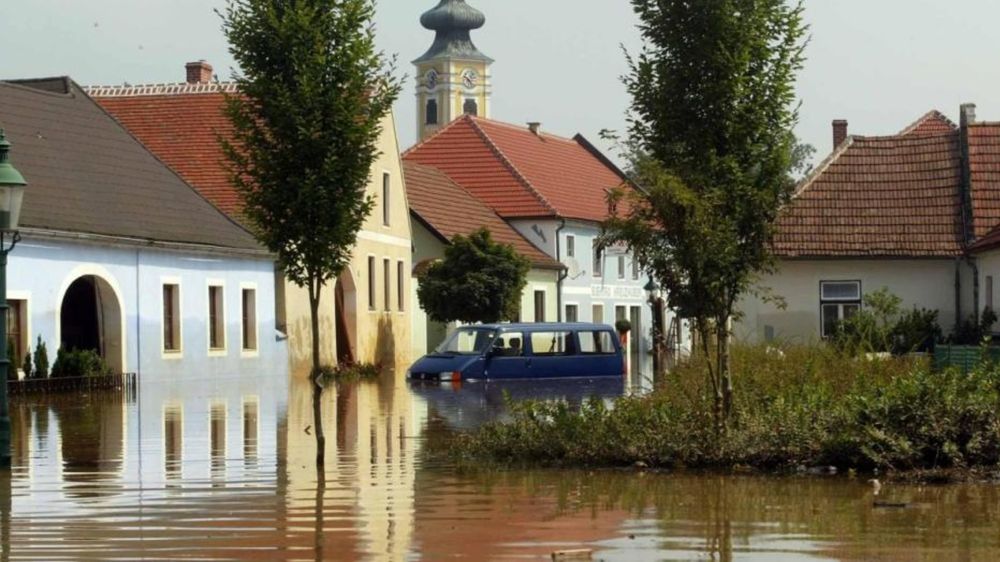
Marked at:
<point>313,93</point>
<point>478,280</point>
<point>711,145</point>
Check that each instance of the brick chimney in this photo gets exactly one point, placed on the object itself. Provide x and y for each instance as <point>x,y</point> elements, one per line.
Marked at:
<point>199,72</point>
<point>967,116</point>
<point>535,127</point>
<point>839,132</point>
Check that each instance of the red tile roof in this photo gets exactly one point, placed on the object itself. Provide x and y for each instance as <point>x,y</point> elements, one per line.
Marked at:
<point>447,210</point>
<point>930,123</point>
<point>519,173</point>
<point>984,168</point>
<point>880,197</point>
<point>179,123</point>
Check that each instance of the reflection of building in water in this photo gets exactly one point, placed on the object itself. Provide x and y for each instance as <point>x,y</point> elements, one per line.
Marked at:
<point>371,453</point>
<point>92,440</point>
<point>217,438</point>
<point>173,441</point>
<point>251,429</point>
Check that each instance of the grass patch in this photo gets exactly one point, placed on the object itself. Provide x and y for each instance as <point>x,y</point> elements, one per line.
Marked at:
<point>352,372</point>
<point>794,406</point>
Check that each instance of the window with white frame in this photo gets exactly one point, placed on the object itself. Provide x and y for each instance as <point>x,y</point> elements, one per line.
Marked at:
<point>216,319</point>
<point>371,282</point>
<point>171,317</point>
<point>387,283</point>
<point>249,297</point>
<point>539,306</point>
<point>386,192</point>
<point>17,331</point>
<point>621,267</point>
<point>838,301</point>
<point>597,314</point>
<point>400,286</point>
<point>635,269</point>
<point>570,246</point>
<point>572,313</point>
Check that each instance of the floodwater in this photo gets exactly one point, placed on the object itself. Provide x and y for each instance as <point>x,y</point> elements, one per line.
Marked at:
<point>224,470</point>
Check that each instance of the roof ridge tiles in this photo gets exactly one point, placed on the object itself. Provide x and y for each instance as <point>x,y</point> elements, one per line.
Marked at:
<point>510,165</point>
<point>932,114</point>
<point>164,89</point>
<point>521,129</point>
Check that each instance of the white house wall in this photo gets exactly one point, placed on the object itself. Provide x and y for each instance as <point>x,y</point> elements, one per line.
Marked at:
<point>40,271</point>
<point>919,283</point>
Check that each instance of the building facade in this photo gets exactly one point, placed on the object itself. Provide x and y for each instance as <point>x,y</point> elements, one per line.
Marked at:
<point>364,315</point>
<point>121,257</point>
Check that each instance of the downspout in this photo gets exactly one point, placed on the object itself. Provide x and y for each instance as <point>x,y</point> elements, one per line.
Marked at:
<point>563,273</point>
<point>967,116</point>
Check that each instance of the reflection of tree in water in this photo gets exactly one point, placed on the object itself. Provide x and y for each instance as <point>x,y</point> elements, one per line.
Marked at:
<point>92,440</point>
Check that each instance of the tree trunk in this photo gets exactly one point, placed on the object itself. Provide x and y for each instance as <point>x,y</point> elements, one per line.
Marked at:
<point>707,344</point>
<point>724,368</point>
<point>314,288</point>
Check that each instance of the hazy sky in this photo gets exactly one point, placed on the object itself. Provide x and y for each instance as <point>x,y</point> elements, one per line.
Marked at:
<point>878,63</point>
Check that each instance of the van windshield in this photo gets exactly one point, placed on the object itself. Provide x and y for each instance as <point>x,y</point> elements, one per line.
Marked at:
<point>467,341</point>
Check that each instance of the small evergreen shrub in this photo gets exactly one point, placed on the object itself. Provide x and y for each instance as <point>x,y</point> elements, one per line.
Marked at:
<point>79,363</point>
<point>26,364</point>
<point>41,360</point>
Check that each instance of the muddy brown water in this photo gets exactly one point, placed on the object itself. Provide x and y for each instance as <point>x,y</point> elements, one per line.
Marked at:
<point>207,469</point>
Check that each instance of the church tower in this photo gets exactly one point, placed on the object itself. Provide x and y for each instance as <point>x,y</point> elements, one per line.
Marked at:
<point>452,76</point>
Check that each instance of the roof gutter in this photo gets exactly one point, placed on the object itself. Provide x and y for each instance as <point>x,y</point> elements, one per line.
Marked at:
<point>128,242</point>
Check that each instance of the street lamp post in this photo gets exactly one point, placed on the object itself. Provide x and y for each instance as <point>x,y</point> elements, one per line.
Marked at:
<point>12,186</point>
<point>656,306</point>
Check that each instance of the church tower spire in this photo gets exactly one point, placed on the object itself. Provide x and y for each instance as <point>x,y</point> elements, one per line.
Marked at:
<point>453,75</point>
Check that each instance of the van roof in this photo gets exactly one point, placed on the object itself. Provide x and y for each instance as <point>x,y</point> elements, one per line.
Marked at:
<point>543,326</point>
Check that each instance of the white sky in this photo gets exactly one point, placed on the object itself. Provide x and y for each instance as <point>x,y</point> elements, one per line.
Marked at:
<point>878,63</point>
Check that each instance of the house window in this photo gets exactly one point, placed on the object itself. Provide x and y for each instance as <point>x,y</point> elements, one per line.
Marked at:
<point>432,112</point>
<point>989,292</point>
<point>539,306</point>
<point>598,264</point>
<point>386,209</point>
<point>470,107</point>
<point>570,246</point>
<point>216,319</point>
<point>249,319</point>
<point>572,313</point>
<point>171,317</point>
<point>621,313</point>
<point>838,301</point>
<point>621,267</point>
<point>597,313</point>
<point>635,269</point>
<point>387,284</point>
<point>400,286</point>
<point>17,331</point>
<point>371,282</point>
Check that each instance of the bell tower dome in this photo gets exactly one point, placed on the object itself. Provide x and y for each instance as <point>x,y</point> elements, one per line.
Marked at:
<point>453,75</point>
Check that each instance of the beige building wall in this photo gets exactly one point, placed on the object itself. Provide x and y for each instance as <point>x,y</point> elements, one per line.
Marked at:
<point>377,306</point>
<point>427,335</point>
<point>926,283</point>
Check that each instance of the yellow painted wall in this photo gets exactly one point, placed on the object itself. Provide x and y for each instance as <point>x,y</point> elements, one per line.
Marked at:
<point>380,336</point>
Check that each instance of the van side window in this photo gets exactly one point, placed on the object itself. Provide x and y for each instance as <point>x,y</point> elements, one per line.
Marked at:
<point>509,344</point>
<point>550,343</point>
<point>596,342</point>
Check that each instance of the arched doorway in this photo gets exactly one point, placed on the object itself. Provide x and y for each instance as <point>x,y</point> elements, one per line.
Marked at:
<point>90,318</point>
<point>347,318</point>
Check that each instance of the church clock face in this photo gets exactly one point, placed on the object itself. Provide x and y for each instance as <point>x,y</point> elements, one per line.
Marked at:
<point>432,79</point>
<point>470,78</point>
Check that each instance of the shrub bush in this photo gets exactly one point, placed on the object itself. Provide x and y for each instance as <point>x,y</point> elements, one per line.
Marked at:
<point>79,363</point>
<point>26,364</point>
<point>807,406</point>
<point>41,360</point>
<point>883,327</point>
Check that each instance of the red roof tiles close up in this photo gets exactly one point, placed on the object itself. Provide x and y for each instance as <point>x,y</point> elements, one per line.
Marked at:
<point>520,173</point>
<point>447,210</point>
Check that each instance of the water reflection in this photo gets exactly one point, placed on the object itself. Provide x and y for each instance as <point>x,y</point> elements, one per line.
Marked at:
<point>225,470</point>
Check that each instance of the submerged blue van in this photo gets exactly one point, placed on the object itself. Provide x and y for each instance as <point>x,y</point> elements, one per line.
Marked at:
<point>520,351</point>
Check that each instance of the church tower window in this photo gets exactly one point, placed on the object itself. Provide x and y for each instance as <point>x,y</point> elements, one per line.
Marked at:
<point>432,112</point>
<point>470,107</point>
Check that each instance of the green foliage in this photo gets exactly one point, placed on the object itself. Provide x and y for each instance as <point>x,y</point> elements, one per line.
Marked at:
<point>973,330</point>
<point>26,364</point>
<point>478,280</point>
<point>801,406</point>
<point>882,327</point>
<point>11,368</point>
<point>79,363</point>
<point>313,96</point>
<point>623,326</point>
<point>711,144</point>
<point>352,373</point>
<point>41,360</point>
